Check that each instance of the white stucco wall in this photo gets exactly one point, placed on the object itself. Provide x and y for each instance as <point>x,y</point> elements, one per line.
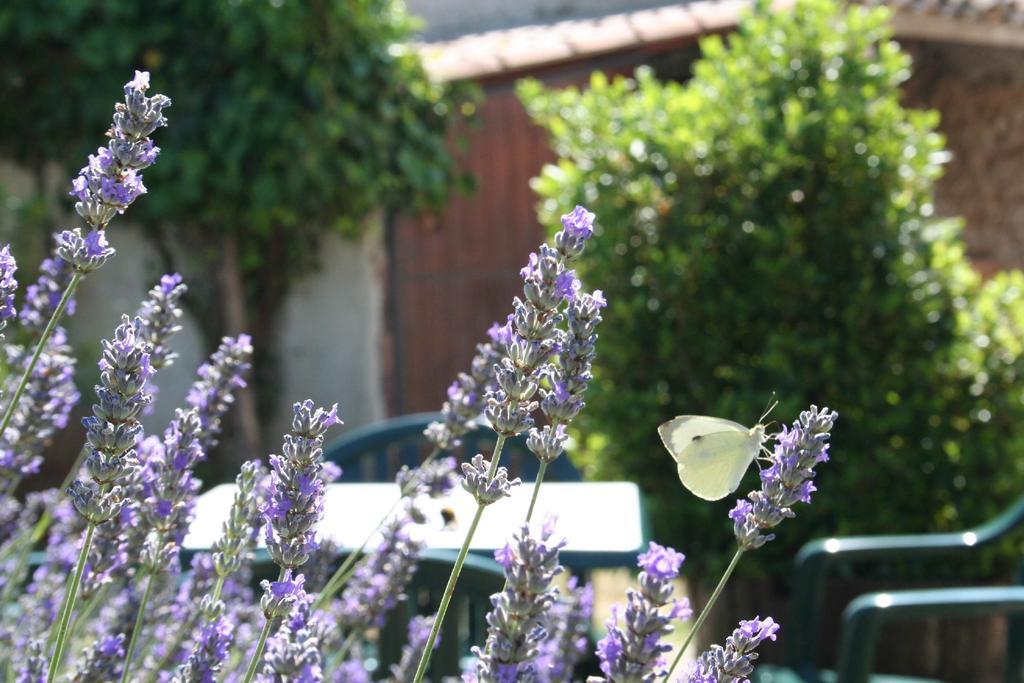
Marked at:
<point>331,327</point>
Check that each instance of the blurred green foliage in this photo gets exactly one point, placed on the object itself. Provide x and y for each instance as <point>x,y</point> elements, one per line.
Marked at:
<point>767,227</point>
<point>295,116</point>
<point>289,120</point>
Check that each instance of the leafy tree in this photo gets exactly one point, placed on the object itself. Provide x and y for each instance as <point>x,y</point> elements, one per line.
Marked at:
<point>290,119</point>
<point>767,227</point>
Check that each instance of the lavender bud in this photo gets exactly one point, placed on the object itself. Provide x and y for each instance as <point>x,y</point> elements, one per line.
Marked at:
<point>547,443</point>
<point>92,504</point>
<point>486,490</point>
<point>507,416</point>
<point>85,254</point>
<point>577,228</point>
<point>279,597</point>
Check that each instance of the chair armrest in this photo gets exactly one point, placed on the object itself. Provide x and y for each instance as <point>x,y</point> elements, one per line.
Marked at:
<point>814,559</point>
<point>863,618</point>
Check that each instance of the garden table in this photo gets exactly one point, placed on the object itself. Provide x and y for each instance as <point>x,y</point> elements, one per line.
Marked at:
<point>603,522</point>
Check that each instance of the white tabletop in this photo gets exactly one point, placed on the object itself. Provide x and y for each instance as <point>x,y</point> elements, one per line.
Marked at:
<point>594,518</point>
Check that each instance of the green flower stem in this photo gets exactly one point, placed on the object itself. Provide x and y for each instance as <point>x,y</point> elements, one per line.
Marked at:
<point>139,621</point>
<point>536,489</point>
<point>85,614</point>
<point>262,643</point>
<point>58,312</point>
<point>706,611</point>
<point>68,605</point>
<point>449,590</point>
<point>347,568</point>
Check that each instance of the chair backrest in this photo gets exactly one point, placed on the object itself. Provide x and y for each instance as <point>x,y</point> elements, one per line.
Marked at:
<point>376,452</point>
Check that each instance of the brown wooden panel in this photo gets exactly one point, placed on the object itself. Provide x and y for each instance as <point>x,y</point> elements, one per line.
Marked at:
<point>455,274</point>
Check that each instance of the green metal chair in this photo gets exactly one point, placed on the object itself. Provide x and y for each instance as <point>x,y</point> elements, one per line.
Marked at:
<point>863,617</point>
<point>376,452</point>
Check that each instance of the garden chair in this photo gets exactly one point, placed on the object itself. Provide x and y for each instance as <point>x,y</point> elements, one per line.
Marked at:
<point>376,452</point>
<point>863,617</point>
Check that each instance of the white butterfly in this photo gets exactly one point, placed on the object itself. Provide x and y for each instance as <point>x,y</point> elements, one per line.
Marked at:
<point>712,454</point>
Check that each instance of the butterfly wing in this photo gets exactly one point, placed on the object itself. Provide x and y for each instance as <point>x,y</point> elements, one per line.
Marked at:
<point>679,432</point>
<point>711,467</point>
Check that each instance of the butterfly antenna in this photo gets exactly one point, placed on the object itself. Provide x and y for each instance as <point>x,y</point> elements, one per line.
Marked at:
<point>772,403</point>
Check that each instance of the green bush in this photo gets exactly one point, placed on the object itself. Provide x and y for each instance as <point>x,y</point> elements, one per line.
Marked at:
<point>767,227</point>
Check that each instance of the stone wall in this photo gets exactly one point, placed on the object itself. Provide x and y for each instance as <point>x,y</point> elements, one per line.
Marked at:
<point>979,92</point>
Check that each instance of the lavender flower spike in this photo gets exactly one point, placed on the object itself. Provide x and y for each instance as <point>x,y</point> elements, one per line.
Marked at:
<point>111,180</point>
<point>101,661</point>
<point>114,429</point>
<point>213,393</point>
<point>161,318</point>
<point>787,480</point>
<point>567,624</point>
<point>515,625</point>
<point>419,631</point>
<point>734,662</point>
<point>296,500</point>
<point>43,297</point>
<point>633,649</point>
<point>8,285</point>
<point>379,582</point>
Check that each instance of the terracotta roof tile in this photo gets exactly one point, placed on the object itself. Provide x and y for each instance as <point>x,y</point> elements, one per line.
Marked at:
<point>517,49</point>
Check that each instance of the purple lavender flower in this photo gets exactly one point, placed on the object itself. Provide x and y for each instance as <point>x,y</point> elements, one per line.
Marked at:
<point>171,490</point>
<point>579,224</point>
<point>42,297</point>
<point>293,655</point>
<point>466,399</point>
<point>34,668</point>
<point>296,502</point>
<point>486,489</point>
<point>8,285</point>
<point>787,480</point>
<point>280,597</point>
<point>42,410</point>
<point>418,633</point>
<point>84,253</point>
<point>379,581</point>
<point>434,479</point>
<point>101,661</point>
<point>113,429</point>
<point>213,393</point>
<point>633,649</point>
<point>161,318</point>
<point>111,180</point>
<point>208,655</point>
<point>515,625</point>
<point>734,662</point>
<point>567,624</point>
